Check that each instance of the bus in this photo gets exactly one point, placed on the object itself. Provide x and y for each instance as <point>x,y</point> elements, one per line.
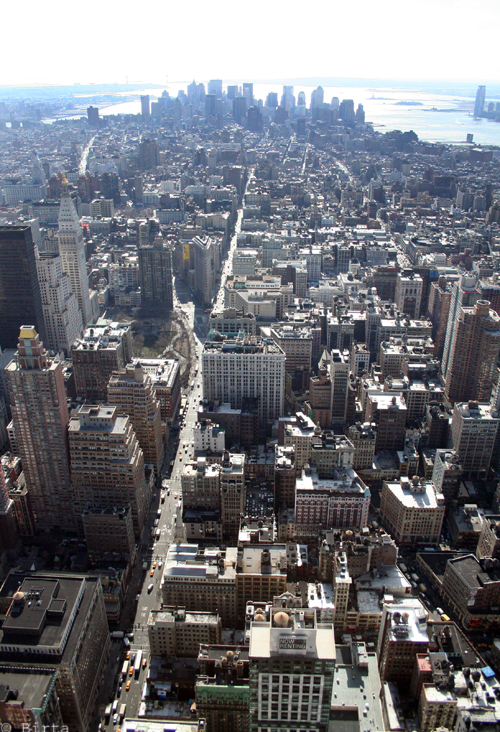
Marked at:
<point>124,669</point>
<point>121,714</point>
<point>107,713</point>
<point>137,664</point>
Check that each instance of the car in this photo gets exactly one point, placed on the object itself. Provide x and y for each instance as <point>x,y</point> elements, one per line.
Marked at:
<point>150,587</point>
<point>175,495</point>
<point>127,687</point>
<point>115,718</point>
<point>144,663</point>
<point>160,565</point>
<point>151,573</point>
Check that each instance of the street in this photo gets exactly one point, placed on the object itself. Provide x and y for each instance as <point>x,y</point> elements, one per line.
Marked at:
<point>153,552</point>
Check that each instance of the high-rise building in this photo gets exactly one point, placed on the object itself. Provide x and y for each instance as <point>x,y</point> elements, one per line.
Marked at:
<point>205,267</point>
<point>472,369</point>
<point>211,105</point>
<point>58,622</point>
<point>145,108</point>
<point>222,690</point>
<point>232,495</point>
<point>20,300</point>
<point>215,87</point>
<point>149,154</point>
<point>165,374</point>
<point>72,251</point>
<point>40,419</point>
<point>107,463</point>
<point>464,293</point>
<point>402,635</point>
<point>364,439</point>
<point>109,531</point>
<point>62,316</point>
<point>339,502</point>
<point>296,343</point>
<point>474,431</point>
<point>234,369</point>
<point>479,103</point>
<point>317,97</point>
<point>194,577</point>
<point>412,510</point>
<point>93,116</point>
<point>132,391</point>
<point>155,275</point>
<point>409,293</point>
<point>105,347</point>
<point>339,376</point>
<point>174,631</point>
<point>239,109</point>
<point>292,664</point>
<point>320,394</point>
<point>248,92</point>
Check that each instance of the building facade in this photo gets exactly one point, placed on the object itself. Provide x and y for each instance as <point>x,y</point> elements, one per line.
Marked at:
<point>107,463</point>
<point>40,420</point>
<point>20,299</point>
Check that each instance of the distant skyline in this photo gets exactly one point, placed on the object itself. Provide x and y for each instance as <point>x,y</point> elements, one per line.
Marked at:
<point>168,42</point>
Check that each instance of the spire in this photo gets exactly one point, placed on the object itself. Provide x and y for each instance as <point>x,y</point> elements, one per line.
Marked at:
<point>68,216</point>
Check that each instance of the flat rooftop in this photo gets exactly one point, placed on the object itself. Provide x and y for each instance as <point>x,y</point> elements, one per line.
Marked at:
<point>356,689</point>
<point>32,685</point>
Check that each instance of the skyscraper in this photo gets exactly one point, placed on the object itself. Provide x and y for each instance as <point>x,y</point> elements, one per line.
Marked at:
<point>234,369</point>
<point>72,250</point>
<point>339,377</point>
<point>480,99</point>
<point>155,274</point>
<point>145,109</point>
<point>132,391</point>
<point>20,300</point>
<point>62,316</point>
<point>149,154</point>
<point>472,370</point>
<point>40,419</point>
<point>464,293</point>
<point>107,463</point>
<point>104,348</point>
<point>205,266</point>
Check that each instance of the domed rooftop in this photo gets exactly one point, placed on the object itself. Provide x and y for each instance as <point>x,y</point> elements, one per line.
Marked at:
<point>281,620</point>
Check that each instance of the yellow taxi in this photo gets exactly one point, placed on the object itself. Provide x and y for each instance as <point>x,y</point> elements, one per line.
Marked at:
<point>131,671</point>
<point>154,565</point>
<point>151,573</point>
<point>127,687</point>
<point>127,656</point>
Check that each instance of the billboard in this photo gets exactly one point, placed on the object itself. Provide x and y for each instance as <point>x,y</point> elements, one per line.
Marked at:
<point>185,251</point>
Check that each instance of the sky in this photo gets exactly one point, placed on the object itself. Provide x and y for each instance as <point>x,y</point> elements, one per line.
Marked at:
<point>106,42</point>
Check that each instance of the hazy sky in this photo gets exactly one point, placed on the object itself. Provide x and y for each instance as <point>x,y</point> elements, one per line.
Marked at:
<point>89,41</point>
